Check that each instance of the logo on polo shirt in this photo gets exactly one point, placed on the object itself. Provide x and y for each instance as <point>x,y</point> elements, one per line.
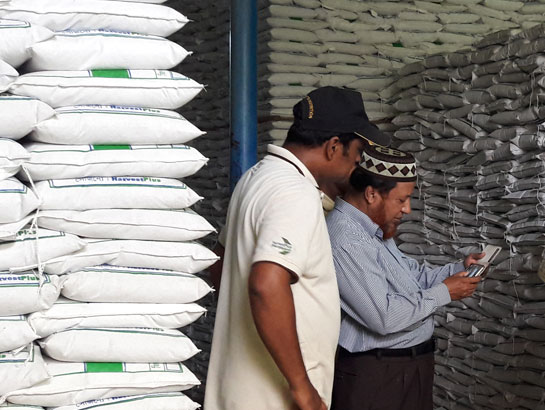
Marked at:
<point>285,246</point>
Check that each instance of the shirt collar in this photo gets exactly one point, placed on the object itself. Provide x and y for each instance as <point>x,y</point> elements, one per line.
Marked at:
<point>359,217</point>
<point>284,153</point>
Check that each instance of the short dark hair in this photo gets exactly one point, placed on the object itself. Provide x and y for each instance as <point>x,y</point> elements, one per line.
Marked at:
<point>314,138</point>
<point>360,180</point>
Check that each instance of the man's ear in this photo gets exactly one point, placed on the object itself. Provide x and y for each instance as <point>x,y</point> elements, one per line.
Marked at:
<point>371,195</point>
<point>332,146</point>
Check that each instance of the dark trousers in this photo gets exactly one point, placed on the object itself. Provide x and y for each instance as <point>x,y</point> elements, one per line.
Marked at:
<point>368,382</point>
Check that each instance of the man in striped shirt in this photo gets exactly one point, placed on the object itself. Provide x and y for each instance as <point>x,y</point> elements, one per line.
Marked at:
<point>385,357</point>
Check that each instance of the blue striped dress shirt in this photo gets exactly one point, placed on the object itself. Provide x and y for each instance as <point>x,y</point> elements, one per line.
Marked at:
<point>387,298</point>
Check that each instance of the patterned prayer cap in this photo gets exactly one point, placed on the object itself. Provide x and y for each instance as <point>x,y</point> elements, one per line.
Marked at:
<point>388,163</point>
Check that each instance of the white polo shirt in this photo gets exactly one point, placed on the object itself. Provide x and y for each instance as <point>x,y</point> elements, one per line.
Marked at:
<point>275,215</point>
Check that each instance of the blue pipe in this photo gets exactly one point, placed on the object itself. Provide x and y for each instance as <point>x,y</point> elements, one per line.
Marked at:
<point>243,76</point>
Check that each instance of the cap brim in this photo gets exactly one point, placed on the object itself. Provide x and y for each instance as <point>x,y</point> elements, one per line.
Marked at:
<point>373,134</point>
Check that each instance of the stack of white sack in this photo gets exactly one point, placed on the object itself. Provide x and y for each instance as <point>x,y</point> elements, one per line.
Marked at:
<point>106,350</point>
<point>16,200</point>
<point>22,290</point>
<point>106,164</point>
<point>21,363</point>
<point>21,369</point>
<point>18,115</point>
<point>21,293</point>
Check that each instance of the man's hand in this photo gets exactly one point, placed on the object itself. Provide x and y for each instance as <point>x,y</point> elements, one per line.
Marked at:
<point>460,286</point>
<point>273,310</point>
<point>307,398</point>
<point>473,258</point>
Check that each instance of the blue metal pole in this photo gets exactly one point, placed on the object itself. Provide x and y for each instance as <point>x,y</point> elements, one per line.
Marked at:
<point>243,87</point>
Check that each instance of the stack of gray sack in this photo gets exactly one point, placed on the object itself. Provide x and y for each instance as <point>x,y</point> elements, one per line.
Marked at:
<point>474,122</point>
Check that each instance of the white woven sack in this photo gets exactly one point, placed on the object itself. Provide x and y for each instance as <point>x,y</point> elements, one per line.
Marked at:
<point>140,88</point>
<point>186,257</point>
<point>9,406</point>
<point>67,314</point>
<point>26,292</point>
<point>105,49</point>
<point>130,345</point>
<point>16,37</point>
<point>8,74</point>
<point>49,161</point>
<point>158,401</point>
<point>8,232</point>
<point>142,224</point>
<point>16,201</point>
<point>73,383</point>
<point>12,156</point>
<point>58,15</point>
<point>100,124</point>
<point>19,115</point>
<point>21,369</point>
<point>15,332</point>
<point>107,283</point>
<point>115,192</point>
<point>22,253</point>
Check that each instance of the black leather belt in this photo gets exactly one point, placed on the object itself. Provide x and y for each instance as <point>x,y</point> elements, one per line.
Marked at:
<point>422,348</point>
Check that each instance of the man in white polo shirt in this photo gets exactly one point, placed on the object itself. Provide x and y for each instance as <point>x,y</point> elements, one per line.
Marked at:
<point>278,314</point>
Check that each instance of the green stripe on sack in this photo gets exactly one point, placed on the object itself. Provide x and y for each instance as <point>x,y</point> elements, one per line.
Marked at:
<point>111,147</point>
<point>110,73</point>
<point>92,367</point>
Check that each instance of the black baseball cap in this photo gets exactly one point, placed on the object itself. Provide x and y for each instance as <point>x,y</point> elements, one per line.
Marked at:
<point>333,111</point>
